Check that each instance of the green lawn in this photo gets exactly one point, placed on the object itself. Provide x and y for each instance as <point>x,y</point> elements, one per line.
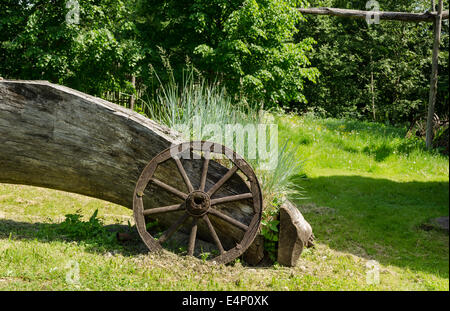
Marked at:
<point>368,190</point>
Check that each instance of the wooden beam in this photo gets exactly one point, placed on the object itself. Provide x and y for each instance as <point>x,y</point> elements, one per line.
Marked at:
<point>132,99</point>
<point>434,74</point>
<point>400,16</point>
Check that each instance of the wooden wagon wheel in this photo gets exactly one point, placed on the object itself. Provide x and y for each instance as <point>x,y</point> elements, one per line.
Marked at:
<point>199,203</point>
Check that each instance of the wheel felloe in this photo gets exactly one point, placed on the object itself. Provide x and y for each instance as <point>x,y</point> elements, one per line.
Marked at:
<point>200,204</point>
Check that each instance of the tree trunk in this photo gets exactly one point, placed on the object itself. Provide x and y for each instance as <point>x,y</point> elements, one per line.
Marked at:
<point>434,75</point>
<point>372,87</point>
<point>132,99</point>
<point>55,137</point>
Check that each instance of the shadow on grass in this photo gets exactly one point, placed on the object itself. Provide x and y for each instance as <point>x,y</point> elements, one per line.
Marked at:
<point>48,232</point>
<point>377,130</point>
<point>383,150</point>
<point>102,243</point>
<point>380,219</point>
<point>384,139</point>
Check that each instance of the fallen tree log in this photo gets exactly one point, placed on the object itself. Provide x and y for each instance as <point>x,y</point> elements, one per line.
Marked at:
<point>55,137</point>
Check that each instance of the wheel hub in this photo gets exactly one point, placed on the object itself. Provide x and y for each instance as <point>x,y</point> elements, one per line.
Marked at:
<point>198,203</point>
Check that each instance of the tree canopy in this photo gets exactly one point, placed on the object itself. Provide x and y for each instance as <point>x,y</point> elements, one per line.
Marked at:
<point>387,63</point>
<point>263,51</point>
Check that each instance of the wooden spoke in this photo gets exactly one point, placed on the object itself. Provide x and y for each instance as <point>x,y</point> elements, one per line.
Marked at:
<point>232,198</point>
<point>222,180</point>
<point>168,233</point>
<point>165,186</point>
<point>204,171</point>
<point>183,174</point>
<point>227,218</point>
<point>192,237</point>
<point>239,223</point>
<point>163,209</point>
<point>214,234</point>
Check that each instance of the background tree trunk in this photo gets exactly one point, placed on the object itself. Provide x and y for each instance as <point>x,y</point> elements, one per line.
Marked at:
<point>132,98</point>
<point>434,74</point>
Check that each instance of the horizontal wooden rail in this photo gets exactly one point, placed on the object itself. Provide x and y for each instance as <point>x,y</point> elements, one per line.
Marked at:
<point>400,16</point>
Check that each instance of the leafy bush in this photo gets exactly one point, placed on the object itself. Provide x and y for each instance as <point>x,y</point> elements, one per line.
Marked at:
<point>92,230</point>
<point>247,44</point>
<point>269,230</point>
<point>96,55</point>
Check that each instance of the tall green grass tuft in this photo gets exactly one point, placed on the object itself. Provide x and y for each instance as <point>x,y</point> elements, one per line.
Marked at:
<point>279,182</point>
<point>178,103</point>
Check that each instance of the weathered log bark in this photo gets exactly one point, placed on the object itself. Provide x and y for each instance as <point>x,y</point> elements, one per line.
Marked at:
<point>295,234</point>
<point>55,137</point>
<point>400,16</point>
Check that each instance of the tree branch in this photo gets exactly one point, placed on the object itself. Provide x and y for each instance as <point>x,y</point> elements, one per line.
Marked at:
<point>401,16</point>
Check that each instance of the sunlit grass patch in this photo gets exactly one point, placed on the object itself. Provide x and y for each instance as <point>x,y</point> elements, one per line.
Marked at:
<point>361,208</point>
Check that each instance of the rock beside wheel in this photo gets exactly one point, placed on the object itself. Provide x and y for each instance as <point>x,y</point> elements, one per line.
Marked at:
<point>439,224</point>
<point>295,234</point>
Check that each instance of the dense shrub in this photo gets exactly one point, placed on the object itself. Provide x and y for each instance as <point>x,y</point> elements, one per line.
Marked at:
<point>248,45</point>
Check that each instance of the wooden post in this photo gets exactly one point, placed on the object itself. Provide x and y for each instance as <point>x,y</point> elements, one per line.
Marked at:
<point>372,87</point>
<point>433,16</point>
<point>373,95</point>
<point>133,82</point>
<point>434,74</point>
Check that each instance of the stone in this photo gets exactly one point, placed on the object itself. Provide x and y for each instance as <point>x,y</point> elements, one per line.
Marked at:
<point>441,223</point>
<point>295,234</point>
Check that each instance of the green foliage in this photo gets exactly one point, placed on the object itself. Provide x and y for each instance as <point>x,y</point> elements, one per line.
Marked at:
<point>92,230</point>
<point>359,209</point>
<point>94,56</point>
<point>261,51</point>
<point>178,100</point>
<point>397,55</point>
<point>269,230</point>
<point>248,44</point>
<point>152,225</point>
<point>277,183</point>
